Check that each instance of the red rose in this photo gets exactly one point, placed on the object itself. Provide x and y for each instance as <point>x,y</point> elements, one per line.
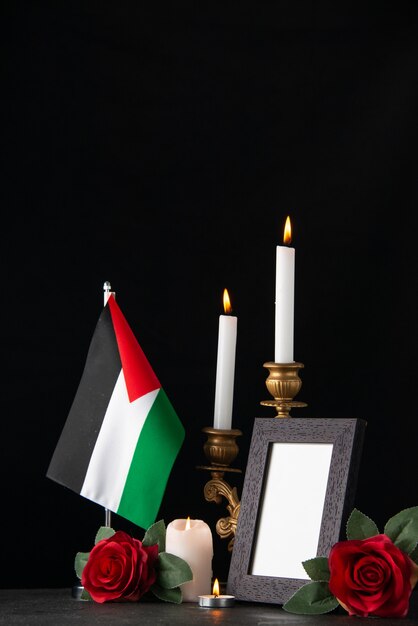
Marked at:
<point>120,568</point>
<point>371,577</point>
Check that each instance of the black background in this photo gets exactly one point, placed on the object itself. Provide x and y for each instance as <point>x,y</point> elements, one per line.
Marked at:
<point>160,147</point>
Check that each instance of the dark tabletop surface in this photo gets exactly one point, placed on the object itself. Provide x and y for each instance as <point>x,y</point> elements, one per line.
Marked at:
<point>53,607</point>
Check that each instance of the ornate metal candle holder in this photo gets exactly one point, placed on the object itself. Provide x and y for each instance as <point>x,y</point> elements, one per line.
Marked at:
<point>284,384</point>
<point>221,450</point>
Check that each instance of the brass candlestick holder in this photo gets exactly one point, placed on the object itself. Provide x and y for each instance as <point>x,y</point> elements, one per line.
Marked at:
<point>284,384</point>
<point>221,450</point>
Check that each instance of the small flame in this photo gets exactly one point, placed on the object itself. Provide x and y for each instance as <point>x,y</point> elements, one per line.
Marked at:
<point>215,590</point>
<point>227,302</point>
<point>287,236</point>
<point>187,527</point>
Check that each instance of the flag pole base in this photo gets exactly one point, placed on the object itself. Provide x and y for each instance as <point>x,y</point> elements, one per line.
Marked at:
<point>76,592</point>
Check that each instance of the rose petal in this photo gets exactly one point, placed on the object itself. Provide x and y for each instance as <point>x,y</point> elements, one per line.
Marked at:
<point>120,568</point>
<point>372,577</point>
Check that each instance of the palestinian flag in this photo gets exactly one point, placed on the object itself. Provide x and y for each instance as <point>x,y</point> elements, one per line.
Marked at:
<point>122,435</point>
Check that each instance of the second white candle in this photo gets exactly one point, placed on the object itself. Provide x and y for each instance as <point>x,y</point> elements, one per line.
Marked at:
<point>225,368</point>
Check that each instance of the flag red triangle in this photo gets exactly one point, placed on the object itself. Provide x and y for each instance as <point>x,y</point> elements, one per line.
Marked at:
<point>139,375</point>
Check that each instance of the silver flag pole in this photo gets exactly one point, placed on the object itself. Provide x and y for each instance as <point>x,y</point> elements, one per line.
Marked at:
<point>107,291</point>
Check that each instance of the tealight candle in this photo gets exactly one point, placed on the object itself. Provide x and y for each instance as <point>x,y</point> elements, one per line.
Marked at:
<point>191,540</point>
<point>215,600</point>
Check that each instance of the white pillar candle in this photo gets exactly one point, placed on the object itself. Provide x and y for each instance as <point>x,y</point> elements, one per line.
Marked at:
<point>191,540</point>
<point>225,368</point>
<point>285,289</point>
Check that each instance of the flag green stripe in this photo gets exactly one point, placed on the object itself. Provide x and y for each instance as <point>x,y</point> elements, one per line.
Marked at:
<point>158,445</point>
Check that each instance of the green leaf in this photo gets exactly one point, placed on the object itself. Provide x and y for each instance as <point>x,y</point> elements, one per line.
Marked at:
<point>359,526</point>
<point>85,595</point>
<point>155,534</point>
<point>172,571</point>
<point>402,528</point>
<point>80,561</point>
<point>414,554</point>
<point>312,599</point>
<point>168,595</point>
<point>104,532</point>
<point>317,568</point>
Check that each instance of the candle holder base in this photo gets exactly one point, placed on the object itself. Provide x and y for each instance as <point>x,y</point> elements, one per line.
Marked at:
<point>283,383</point>
<point>221,449</point>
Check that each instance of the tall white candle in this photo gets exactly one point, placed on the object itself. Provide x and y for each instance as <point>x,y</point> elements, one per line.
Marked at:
<point>191,540</point>
<point>225,368</point>
<point>285,290</point>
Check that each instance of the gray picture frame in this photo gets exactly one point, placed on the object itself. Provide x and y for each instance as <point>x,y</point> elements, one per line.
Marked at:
<point>346,437</point>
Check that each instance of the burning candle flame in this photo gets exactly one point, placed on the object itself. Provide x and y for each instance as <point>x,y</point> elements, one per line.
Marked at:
<point>227,302</point>
<point>287,236</point>
<point>187,527</point>
<point>215,590</point>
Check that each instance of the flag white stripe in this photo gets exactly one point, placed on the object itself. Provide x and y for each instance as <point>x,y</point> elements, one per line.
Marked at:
<point>115,445</point>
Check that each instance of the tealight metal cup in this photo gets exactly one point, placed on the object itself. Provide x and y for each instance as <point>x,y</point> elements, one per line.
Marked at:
<point>216,602</point>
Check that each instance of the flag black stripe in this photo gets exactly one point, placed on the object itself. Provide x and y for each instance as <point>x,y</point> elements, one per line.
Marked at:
<point>72,454</point>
